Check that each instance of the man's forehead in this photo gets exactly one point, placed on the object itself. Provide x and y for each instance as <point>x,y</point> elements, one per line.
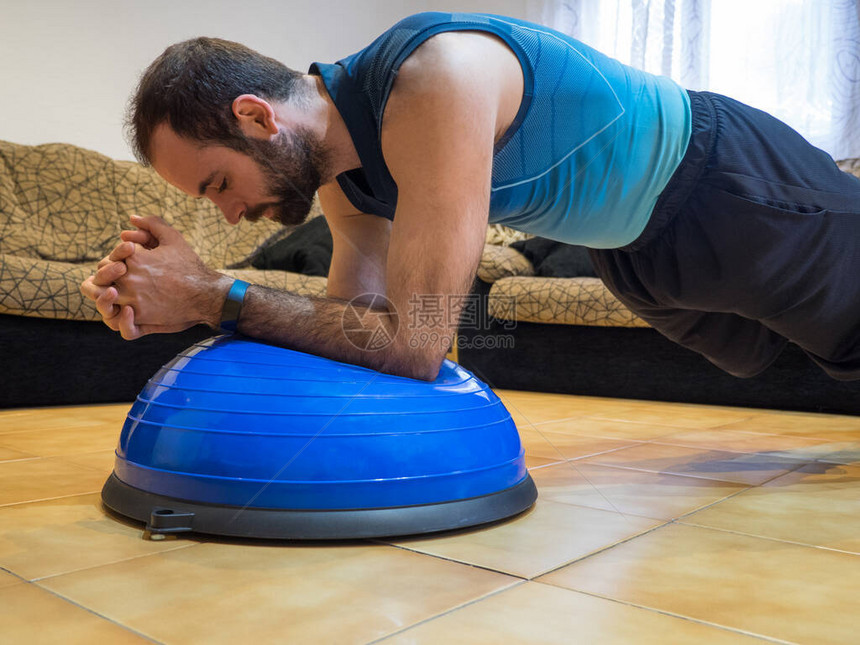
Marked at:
<point>167,144</point>
<point>181,161</point>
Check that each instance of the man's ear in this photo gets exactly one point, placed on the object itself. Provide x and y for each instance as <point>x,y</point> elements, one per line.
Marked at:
<point>256,116</point>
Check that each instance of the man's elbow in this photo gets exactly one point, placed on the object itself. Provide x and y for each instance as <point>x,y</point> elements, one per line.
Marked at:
<point>426,373</point>
<point>411,364</point>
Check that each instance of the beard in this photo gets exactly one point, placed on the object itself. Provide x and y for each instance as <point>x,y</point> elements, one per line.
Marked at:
<point>293,165</point>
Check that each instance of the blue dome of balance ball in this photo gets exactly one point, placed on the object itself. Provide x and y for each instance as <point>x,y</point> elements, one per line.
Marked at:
<point>235,437</point>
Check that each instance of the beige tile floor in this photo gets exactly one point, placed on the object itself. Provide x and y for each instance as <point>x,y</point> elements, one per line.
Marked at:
<point>656,523</point>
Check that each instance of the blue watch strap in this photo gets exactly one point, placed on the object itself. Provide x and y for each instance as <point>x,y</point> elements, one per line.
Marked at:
<point>233,306</point>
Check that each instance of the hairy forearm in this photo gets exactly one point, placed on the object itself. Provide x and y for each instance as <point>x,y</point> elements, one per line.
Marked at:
<point>329,327</point>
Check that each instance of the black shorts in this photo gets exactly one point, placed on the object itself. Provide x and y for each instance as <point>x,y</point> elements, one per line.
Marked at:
<point>754,243</point>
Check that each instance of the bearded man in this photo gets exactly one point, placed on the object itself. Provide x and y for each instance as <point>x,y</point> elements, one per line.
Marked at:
<point>714,222</point>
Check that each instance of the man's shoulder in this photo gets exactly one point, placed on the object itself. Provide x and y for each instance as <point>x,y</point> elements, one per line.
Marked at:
<point>453,58</point>
<point>437,59</point>
<point>474,71</point>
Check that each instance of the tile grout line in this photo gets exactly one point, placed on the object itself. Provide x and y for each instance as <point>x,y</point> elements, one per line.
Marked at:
<point>681,517</point>
<point>596,488</point>
<point>633,422</point>
<point>12,573</point>
<point>680,428</point>
<point>760,433</point>
<point>659,439</point>
<point>574,466</point>
<point>95,613</point>
<point>646,517</point>
<point>66,458</point>
<point>800,464</point>
<point>765,453</point>
<point>671,430</point>
<point>50,499</point>
<point>560,454</point>
<point>854,463</point>
<point>663,522</point>
<point>456,608</point>
<point>779,414</point>
<point>665,612</point>
<point>663,472</point>
<point>557,450</point>
<point>552,463</point>
<point>714,503</point>
<point>597,552</point>
<point>449,559</point>
<point>580,458</point>
<point>113,562</point>
<point>59,428</point>
<point>681,522</point>
<point>18,459</point>
<point>676,520</point>
<point>601,549</point>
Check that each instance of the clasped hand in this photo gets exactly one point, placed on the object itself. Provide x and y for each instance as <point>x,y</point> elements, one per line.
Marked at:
<point>153,282</point>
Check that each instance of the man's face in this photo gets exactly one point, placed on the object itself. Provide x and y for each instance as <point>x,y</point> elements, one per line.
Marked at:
<point>267,178</point>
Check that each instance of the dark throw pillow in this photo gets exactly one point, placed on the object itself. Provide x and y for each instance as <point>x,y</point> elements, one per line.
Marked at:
<point>306,250</point>
<point>553,259</point>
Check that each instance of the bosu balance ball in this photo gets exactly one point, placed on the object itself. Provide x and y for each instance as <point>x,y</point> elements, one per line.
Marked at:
<point>239,438</point>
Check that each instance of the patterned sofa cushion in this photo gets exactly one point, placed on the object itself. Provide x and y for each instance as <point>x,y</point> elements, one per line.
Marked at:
<point>501,262</point>
<point>851,166</point>
<point>502,235</point>
<point>560,301</point>
<point>518,295</point>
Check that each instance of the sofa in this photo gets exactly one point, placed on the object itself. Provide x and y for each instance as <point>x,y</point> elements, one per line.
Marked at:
<point>61,211</point>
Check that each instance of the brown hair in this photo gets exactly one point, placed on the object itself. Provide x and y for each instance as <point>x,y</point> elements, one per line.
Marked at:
<point>192,85</point>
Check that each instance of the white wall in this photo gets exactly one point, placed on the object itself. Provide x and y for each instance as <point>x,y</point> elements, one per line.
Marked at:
<point>67,67</point>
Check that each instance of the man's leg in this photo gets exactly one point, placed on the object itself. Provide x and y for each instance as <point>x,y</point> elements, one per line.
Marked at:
<point>737,345</point>
<point>769,234</point>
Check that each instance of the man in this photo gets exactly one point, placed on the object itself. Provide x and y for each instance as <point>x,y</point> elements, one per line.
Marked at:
<point>714,222</point>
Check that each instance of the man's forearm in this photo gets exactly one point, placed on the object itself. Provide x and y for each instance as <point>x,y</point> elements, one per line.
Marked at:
<point>164,287</point>
<point>330,327</point>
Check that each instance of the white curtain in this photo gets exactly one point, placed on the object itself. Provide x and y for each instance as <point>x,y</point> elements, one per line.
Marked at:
<point>797,59</point>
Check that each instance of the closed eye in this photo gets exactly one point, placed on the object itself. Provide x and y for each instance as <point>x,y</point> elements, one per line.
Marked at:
<point>223,186</point>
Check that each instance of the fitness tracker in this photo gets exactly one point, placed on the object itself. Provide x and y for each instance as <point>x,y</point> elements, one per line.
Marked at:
<point>233,306</point>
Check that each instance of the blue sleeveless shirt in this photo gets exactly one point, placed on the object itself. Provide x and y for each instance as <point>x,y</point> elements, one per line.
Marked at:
<point>590,150</point>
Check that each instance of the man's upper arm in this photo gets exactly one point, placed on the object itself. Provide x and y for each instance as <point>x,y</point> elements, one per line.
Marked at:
<point>359,247</point>
<point>438,135</point>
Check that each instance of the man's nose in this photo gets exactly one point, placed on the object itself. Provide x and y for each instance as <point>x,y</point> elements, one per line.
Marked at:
<point>233,213</point>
